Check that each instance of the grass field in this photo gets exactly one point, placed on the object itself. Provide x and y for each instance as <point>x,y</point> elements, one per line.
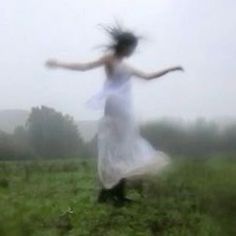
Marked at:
<point>59,198</point>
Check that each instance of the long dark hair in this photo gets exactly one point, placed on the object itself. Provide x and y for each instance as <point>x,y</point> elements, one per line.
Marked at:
<point>121,39</point>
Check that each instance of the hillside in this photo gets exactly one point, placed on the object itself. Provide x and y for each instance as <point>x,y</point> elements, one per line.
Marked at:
<point>10,119</point>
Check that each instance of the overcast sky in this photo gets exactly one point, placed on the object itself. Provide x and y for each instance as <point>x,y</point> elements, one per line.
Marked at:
<point>198,34</point>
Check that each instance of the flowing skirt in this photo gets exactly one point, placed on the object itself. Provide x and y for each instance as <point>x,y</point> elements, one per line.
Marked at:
<point>122,151</point>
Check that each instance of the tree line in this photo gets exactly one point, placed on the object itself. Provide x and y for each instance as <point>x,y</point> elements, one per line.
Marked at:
<point>48,134</point>
<point>200,137</point>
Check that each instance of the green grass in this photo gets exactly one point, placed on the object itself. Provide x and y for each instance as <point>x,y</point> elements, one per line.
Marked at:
<point>59,198</point>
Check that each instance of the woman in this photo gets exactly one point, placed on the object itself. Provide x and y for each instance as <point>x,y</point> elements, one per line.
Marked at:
<point>122,152</point>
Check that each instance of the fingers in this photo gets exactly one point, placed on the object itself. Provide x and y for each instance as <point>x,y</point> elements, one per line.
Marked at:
<point>179,68</point>
<point>51,63</point>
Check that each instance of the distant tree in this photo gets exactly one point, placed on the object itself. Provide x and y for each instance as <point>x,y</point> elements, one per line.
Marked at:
<point>165,135</point>
<point>14,148</point>
<point>203,137</point>
<point>21,136</point>
<point>6,147</point>
<point>197,138</point>
<point>229,138</point>
<point>53,134</point>
<point>91,147</point>
<point>20,139</point>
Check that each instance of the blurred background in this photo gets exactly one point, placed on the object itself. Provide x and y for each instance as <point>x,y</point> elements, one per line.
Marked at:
<point>199,35</point>
<point>48,180</point>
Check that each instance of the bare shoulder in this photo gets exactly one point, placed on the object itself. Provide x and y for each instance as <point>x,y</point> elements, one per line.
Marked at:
<point>107,58</point>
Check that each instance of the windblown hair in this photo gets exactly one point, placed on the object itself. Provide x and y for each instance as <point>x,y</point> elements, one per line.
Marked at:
<point>121,39</point>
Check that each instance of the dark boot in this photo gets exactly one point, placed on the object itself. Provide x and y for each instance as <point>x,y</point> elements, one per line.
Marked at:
<point>118,193</point>
<point>111,195</point>
<point>104,196</point>
<point>115,195</point>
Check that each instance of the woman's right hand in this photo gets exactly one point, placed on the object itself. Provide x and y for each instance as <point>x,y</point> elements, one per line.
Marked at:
<point>52,63</point>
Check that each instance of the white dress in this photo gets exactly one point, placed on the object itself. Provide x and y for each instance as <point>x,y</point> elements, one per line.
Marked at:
<point>122,151</point>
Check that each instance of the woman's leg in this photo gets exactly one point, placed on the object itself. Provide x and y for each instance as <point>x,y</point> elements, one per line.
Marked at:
<point>117,193</point>
<point>104,195</point>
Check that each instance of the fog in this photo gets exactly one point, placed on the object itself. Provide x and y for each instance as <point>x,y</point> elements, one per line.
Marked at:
<point>199,35</point>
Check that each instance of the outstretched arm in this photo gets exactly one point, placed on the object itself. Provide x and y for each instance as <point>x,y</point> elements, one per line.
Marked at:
<point>155,75</point>
<point>76,66</point>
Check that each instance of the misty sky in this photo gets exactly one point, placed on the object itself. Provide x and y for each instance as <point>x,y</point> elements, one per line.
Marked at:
<point>198,34</point>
